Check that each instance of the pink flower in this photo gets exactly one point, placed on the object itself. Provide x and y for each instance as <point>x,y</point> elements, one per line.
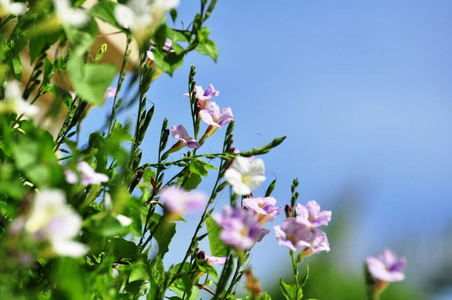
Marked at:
<point>181,134</point>
<point>179,201</point>
<point>264,208</point>
<point>111,92</point>
<point>298,236</point>
<point>387,267</point>
<point>311,214</point>
<point>204,97</point>
<point>88,175</point>
<point>212,260</point>
<point>212,116</point>
<point>241,228</point>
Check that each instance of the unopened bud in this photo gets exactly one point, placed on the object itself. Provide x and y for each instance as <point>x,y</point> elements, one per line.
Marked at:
<point>201,255</point>
<point>288,210</point>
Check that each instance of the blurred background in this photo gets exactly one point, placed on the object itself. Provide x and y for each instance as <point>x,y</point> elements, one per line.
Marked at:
<point>362,91</point>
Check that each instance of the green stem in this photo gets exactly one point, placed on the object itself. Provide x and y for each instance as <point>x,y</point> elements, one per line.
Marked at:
<point>295,273</point>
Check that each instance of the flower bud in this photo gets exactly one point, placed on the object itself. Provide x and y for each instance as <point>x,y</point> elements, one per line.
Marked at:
<point>288,210</point>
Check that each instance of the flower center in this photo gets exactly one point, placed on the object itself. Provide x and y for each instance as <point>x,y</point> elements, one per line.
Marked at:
<point>246,178</point>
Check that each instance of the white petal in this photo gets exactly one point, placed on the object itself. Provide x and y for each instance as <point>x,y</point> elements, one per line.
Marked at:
<point>124,16</point>
<point>241,164</point>
<point>256,181</point>
<point>125,221</point>
<point>257,167</point>
<point>69,248</point>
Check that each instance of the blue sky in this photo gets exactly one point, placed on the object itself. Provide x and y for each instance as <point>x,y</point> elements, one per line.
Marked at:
<point>362,91</point>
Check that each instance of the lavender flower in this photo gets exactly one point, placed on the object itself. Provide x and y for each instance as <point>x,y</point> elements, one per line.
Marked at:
<point>213,260</point>
<point>179,201</point>
<point>212,116</point>
<point>311,214</point>
<point>204,97</point>
<point>241,228</point>
<point>88,175</point>
<point>181,134</point>
<point>264,208</point>
<point>298,236</point>
<point>245,175</point>
<point>387,267</point>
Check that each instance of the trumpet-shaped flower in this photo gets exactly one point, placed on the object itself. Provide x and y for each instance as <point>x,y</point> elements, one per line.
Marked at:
<point>12,8</point>
<point>68,15</point>
<point>241,228</point>
<point>311,215</point>
<point>264,208</point>
<point>387,267</point>
<point>179,201</point>
<point>212,116</point>
<point>296,236</point>
<point>213,260</point>
<point>245,175</point>
<point>202,96</point>
<point>14,103</point>
<point>52,219</point>
<point>181,134</point>
<point>88,175</point>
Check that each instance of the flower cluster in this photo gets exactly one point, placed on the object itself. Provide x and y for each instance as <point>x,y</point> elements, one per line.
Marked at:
<point>301,233</point>
<point>209,112</point>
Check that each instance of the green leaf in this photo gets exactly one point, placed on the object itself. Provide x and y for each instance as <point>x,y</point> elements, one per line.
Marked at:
<point>208,48</point>
<point>140,271</point>
<point>67,280</point>
<point>192,182</point>
<point>105,10</point>
<point>90,81</point>
<point>109,226</point>
<point>290,290</point>
<point>164,235</point>
<point>48,72</point>
<point>120,248</point>
<point>204,267</point>
<point>173,14</point>
<point>270,188</point>
<point>40,41</point>
<point>217,247</point>
<point>168,62</point>
<point>81,38</point>
<point>200,167</point>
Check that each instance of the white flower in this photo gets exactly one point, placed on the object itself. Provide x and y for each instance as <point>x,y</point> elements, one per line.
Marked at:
<point>8,7</point>
<point>136,15</point>
<point>245,175</point>
<point>69,15</point>
<point>52,219</point>
<point>165,5</point>
<point>14,103</point>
